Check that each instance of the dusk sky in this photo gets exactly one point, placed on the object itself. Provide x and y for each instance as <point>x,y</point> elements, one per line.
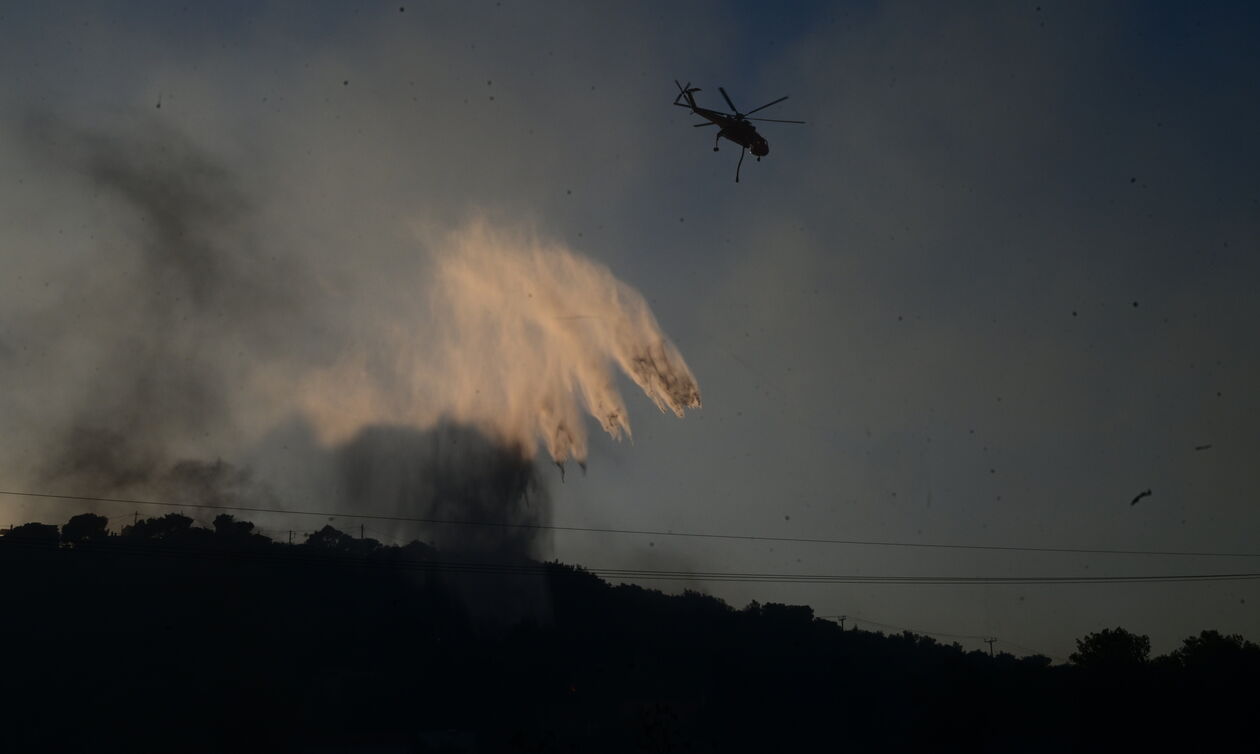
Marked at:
<point>1003,279</point>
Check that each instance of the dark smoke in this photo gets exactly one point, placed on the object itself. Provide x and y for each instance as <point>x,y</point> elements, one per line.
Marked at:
<point>217,483</point>
<point>455,473</point>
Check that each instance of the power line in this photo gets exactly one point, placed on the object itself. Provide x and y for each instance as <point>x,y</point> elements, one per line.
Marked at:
<point>121,546</point>
<point>790,578</point>
<point>640,532</point>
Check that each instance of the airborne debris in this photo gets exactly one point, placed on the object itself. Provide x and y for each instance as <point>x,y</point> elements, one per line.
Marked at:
<point>1139,496</point>
<point>1203,447</point>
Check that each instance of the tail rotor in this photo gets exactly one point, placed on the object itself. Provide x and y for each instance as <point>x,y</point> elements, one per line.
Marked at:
<point>685,92</point>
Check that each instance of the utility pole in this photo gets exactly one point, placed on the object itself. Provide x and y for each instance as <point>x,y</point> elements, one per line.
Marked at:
<point>290,536</point>
<point>990,641</point>
<point>841,618</point>
<point>360,531</point>
<point>135,518</point>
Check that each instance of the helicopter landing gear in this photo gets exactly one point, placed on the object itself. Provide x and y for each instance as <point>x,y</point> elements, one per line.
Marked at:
<point>718,138</point>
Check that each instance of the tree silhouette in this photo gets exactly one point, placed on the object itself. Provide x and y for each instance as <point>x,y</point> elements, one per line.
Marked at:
<point>34,534</point>
<point>1112,648</point>
<point>329,539</point>
<point>84,528</point>
<point>308,647</point>
<point>228,527</point>
<point>170,526</point>
<point>1213,651</point>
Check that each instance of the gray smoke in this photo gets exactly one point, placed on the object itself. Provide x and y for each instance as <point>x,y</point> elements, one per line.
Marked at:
<point>167,314</point>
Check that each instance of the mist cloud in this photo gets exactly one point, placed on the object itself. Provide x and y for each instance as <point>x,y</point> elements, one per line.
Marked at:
<point>525,336</point>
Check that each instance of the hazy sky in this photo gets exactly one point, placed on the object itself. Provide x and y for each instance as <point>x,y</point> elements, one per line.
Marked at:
<point>1002,281</point>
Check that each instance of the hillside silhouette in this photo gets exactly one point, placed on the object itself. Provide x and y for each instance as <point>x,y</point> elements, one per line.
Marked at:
<point>173,637</point>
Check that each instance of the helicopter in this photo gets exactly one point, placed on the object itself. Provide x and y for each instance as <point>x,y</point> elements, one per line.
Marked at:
<point>734,126</point>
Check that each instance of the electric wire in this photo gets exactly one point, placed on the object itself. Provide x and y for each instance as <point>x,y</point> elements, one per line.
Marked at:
<point>637,532</point>
<point>299,556</point>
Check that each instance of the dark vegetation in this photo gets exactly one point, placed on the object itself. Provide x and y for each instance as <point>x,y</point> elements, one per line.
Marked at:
<point>172,637</point>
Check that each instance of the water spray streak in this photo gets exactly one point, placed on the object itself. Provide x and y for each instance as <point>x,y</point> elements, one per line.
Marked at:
<point>525,337</point>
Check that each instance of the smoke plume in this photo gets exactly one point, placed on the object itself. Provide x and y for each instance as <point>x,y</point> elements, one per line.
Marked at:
<point>192,330</point>
<point>449,472</point>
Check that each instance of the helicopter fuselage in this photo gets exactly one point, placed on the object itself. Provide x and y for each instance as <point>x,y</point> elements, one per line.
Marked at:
<point>737,130</point>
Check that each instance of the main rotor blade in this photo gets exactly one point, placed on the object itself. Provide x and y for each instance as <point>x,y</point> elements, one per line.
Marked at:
<point>776,120</point>
<point>702,125</point>
<point>727,97</point>
<point>763,107</point>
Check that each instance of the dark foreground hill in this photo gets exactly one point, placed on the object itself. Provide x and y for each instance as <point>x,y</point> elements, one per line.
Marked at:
<point>174,638</point>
